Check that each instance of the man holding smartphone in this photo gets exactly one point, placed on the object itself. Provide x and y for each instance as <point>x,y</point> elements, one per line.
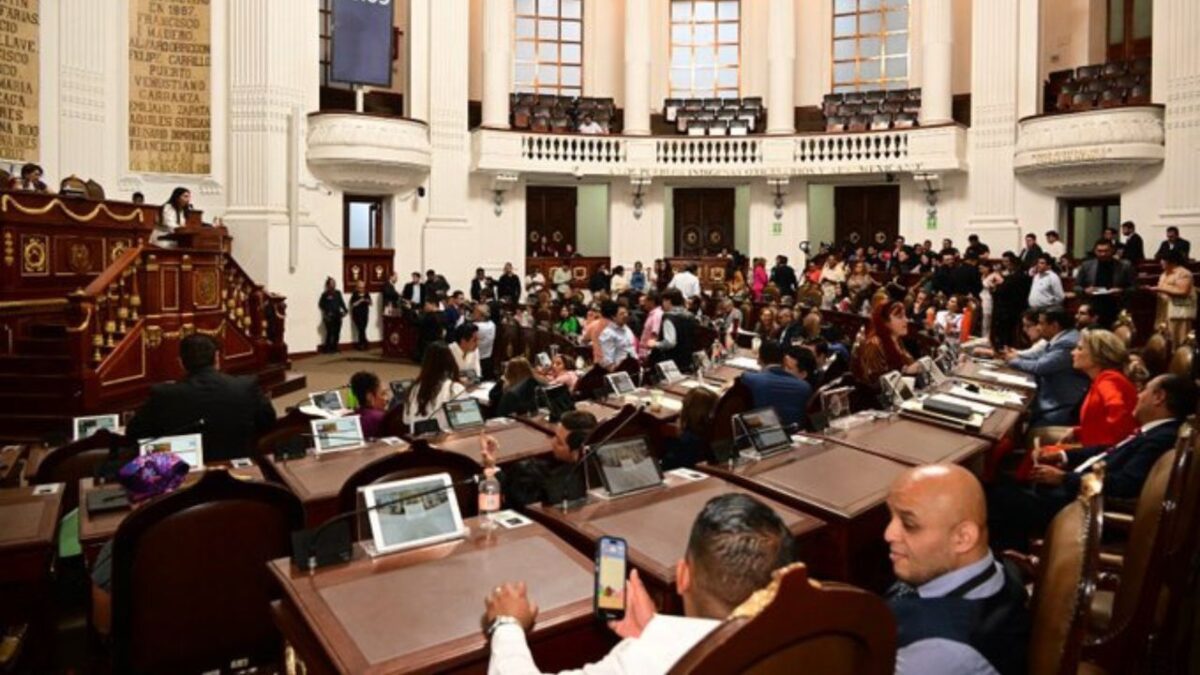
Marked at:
<point>735,545</point>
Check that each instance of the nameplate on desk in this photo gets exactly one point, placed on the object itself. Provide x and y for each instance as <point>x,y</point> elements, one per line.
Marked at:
<point>687,474</point>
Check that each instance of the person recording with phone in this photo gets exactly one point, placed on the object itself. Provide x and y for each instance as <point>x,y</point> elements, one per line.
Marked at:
<point>541,479</point>
<point>736,543</point>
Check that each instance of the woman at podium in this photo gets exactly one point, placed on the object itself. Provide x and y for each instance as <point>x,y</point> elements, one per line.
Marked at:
<point>174,214</point>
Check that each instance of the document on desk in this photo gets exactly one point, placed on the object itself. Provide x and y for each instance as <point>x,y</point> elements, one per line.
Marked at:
<point>481,391</point>
<point>1007,378</point>
<point>742,362</point>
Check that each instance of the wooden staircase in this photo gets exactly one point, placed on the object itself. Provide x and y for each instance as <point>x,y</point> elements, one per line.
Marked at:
<point>78,339</point>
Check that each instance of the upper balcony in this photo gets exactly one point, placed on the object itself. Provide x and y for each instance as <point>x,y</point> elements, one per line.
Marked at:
<point>366,153</point>
<point>936,149</point>
<point>1092,152</point>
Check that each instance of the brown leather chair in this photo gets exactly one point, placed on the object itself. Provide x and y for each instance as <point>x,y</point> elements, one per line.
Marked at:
<point>1181,360</point>
<point>591,382</point>
<point>1183,548</point>
<point>734,400</point>
<point>420,461</point>
<point>797,625</point>
<point>1121,619</point>
<point>1066,580</point>
<point>620,426</point>
<point>1156,354</point>
<point>94,190</point>
<point>74,461</point>
<point>190,586</point>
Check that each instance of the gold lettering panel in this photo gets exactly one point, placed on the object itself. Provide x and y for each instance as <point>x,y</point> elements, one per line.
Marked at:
<point>20,80</point>
<point>170,86</point>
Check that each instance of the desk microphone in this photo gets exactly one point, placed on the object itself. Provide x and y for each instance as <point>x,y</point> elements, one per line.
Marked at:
<point>589,449</point>
<point>108,469</point>
<point>307,552</point>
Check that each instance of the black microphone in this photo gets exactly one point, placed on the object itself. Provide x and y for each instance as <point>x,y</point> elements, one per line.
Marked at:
<point>307,554</point>
<point>107,470</point>
<point>590,449</point>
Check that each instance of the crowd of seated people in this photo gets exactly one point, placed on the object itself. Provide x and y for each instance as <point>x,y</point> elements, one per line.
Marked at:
<point>715,116</point>
<point>874,110</point>
<point>561,114</point>
<point>1103,85</point>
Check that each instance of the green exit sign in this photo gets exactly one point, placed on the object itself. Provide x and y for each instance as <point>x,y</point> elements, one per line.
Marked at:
<point>776,229</point>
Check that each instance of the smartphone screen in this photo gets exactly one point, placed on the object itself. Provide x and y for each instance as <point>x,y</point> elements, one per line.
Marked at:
<point>610,578</point>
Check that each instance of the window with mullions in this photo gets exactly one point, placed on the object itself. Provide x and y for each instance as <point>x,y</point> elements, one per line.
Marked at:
<point>549,47</point>
<point>870,44</point>
<point>705,51</point>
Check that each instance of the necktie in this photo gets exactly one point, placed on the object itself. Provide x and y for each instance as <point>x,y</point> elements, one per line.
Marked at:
<point>900,590</point>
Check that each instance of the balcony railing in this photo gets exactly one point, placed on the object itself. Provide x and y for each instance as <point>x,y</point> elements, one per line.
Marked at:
<point>366,153</point>
<point>921,149</point>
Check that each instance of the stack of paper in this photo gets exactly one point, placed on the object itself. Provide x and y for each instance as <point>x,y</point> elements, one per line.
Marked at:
<point>1007,378</point>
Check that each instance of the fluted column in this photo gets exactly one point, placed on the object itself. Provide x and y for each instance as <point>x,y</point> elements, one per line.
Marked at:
<point>781,68</point>
<point>995,38</point>
<point>637,67</point>
<point>937,44</point>
<point>1181,66</point>
<point>497,61</point>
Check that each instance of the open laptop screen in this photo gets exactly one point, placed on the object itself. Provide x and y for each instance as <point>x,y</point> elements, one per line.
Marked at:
<point>670,372</point>
<point>464,414</point>
<point>558,399</point>
<point>189,448</point>
<point>766,432</point>
<point>340,433</point>
<point>329,401</point>
<point>627,465</point>
<point>621,383</point>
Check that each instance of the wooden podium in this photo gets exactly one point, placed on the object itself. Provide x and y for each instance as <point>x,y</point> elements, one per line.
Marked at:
<point>201,237</point>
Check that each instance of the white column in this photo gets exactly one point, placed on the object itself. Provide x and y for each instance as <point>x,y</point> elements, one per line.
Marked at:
<point>1182,78</point>
<point>937,44</point>
<point>83,78</point>
<point>637,67</point>
<point>497,61</point>
<point>995,37</point>
<point>781,68</point>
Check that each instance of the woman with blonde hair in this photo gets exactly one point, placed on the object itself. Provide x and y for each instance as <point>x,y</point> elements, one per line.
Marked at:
<point>1106,416</point>
<point>1179,293</point>
<point>691,446</point>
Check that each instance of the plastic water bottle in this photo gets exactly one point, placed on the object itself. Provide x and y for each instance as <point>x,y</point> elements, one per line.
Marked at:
<point>489,498</point>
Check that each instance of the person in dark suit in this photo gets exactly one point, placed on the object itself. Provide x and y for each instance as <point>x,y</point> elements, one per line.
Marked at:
<point>1019,511</point>
<point>1102,273</point>
<point>775,386</point>
<point>545,479</point>
<point>360,313</point>
<point>333,309</point>
<point>479,284</point>
<point>1174,243</point>
<point>516,392</point>
<point>1031,252</point>
<point>435,285</point>
<point>391,297</point>
<point>509,285</point>
<point>229,412</point>
<point>414,291</point>
<point>429,327</point>
<point>1132,250</point>
<point>783,276</point>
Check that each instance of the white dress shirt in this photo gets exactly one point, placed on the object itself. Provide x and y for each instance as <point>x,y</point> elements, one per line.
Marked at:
<point>487,338</point>
<point>466,361</point>
<point>1056,250</point>
<point>1046,292</point>
<point>616,343</point>
<point>664,641</point>
<point>687,284</point>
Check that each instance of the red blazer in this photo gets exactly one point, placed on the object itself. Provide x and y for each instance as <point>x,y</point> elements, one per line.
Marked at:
<point>1106,417</point>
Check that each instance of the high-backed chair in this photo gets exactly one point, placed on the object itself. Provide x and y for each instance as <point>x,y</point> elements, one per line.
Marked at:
<point>734,400</point>
<point>1182,552</point>
<point>1066,580</point>
<point>798,625</point>
<point>74,461</point>
<point>191,569</point>
<point>1122,619</point>
<point>591,382</point>
<point>420,461</point>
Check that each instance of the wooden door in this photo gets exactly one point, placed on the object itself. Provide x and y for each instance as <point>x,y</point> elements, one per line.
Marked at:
<point>549,220</point>
<point>866,214</point>
<point>703,221</point>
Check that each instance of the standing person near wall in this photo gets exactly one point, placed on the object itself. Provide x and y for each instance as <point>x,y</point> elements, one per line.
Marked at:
<point>360,312</point>
<point>333,308</point>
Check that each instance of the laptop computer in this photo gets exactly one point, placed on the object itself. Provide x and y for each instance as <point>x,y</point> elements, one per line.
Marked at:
<point>669,372</point>
<point>84,427</point>
<point>464,414</point>
<point>337,434</point>
<point>894,383</point>
<point>766,433</point>
<point>621,383</point>
<point>933,370</point>
<point>329,401</point>
<point>188,447</point>
<point>558,400</point>
<point>627,466</point>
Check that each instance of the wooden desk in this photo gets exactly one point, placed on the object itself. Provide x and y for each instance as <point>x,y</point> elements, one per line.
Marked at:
<point>656,524</point>
<point>668,411</point>
<point>542,422</point>
<point>845,487</point>
<point>516,441</point>
<point>28,544</point>
<point>317,479</point>
<point>421,610</point>
<point>97,528</point>
<point>971,370</point>
<point>911,442</point>
<point>684,386</point>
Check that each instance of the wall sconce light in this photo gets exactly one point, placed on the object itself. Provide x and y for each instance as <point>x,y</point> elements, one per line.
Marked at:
<point>779,187</point>
<point>640,182</point>
<point>501,183</point>
<point>933,186</point>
